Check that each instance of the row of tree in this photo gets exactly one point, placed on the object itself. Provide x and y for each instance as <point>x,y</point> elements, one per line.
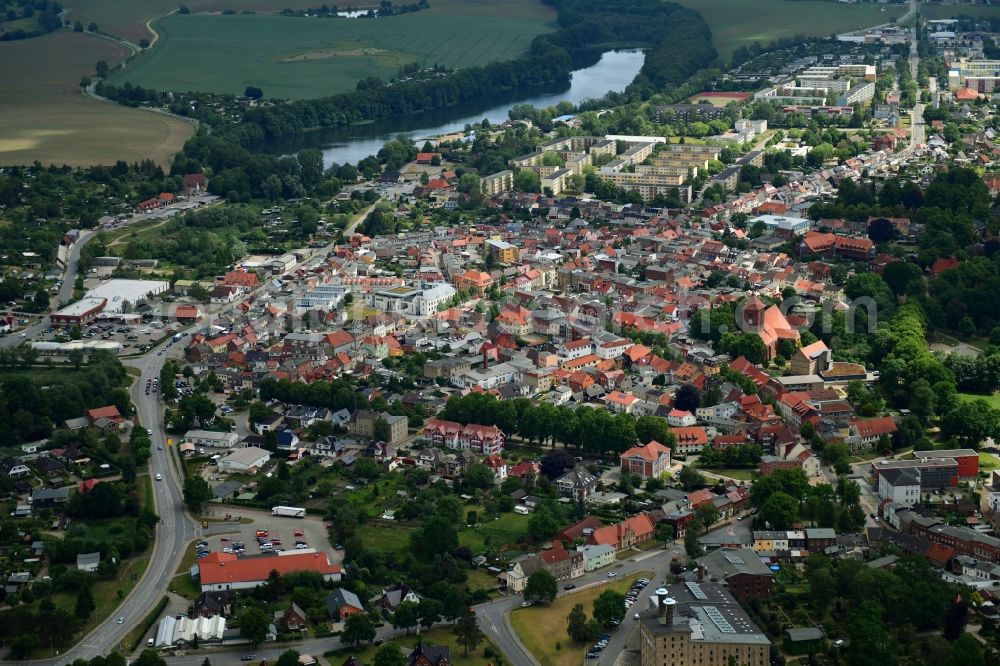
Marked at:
<point>596,431</point>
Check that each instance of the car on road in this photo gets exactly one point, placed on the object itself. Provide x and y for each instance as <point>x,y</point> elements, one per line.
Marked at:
<point>248,657</point>
<point>635,617</point>
<point>525,604</point>
<point>569,586</point>
<point>159,477</point>
<point>612,574</point>
<point>120,620</point>
<point>301,546</point>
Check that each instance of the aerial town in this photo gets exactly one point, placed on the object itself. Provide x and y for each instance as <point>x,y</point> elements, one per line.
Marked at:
<point>707,378</point>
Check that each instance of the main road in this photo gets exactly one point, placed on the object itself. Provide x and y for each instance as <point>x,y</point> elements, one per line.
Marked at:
<point>175,531</point>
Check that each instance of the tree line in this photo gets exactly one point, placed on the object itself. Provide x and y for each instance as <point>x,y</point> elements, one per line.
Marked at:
<point>593,430</point>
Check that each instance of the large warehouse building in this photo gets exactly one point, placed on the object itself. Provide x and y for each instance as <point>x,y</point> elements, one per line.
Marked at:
<point>112,297</point>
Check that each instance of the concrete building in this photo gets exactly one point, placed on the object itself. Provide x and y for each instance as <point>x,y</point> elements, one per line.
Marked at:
<point>932,473</point>
<point>123,295</point>
<point>504,252</point>
<point>502,181</point>
<point>900,485</point>
<point>699,623</point>
<point>214,439</point>
<point>244,460</point>
<point>859,94</point>
<point>415,301</point>
<point>80,313</point>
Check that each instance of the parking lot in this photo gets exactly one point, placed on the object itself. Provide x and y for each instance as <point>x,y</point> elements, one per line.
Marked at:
<point>133,338</point>
<point>283,533</point>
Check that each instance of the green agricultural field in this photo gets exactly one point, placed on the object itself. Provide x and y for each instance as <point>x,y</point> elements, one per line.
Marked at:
<point>936,11</point>
<point>47,118</point>
<point>310,57</point>
<point>736,23</point>
<point>128,18</point>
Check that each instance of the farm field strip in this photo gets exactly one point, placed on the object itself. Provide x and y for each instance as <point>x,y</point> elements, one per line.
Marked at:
<point>47,118</point>
<point>736,24</point>
<point>273,52</point>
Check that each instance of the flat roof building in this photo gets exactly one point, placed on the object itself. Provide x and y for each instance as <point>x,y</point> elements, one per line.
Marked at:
<point>82,312</point>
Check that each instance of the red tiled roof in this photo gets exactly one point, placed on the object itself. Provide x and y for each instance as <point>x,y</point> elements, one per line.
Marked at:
<point>219,568</point>
<point>109,411</point>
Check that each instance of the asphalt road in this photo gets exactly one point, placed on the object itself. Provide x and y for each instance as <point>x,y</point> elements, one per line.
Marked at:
<point>65,295</point>
<point>172,536</point>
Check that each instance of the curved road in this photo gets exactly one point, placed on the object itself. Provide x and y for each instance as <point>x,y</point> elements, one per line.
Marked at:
<point>176,530</point>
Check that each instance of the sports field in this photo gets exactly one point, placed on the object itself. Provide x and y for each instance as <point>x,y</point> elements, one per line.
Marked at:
<point>736,23</point>
<point>45,117</point>
<point>718,98</point>
<point>312,57</point>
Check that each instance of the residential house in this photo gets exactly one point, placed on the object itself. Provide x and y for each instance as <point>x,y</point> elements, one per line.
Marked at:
<point>429,655</point>
<point>88,561</point>
<point>341,604</point>
<point>292,618</point>
<point>563,564</point>
<point>13,468</point>
<point>596,556</point>
<point>577,483</point>
<point>391,597</point>
<point>363,421</point>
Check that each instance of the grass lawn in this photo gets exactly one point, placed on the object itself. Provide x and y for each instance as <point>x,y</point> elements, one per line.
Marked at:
<point>994,399</point>
<point>47,118</point>
<point>182,583</point>
<point>440,636</point>
<point>390,538</point>
<point>543,628</point>
<point>736,24</point>
<point>988,461</point>
<point>505,530</point>
<point>296,58</point>
<point>481,580</point>
<point>739,474</point>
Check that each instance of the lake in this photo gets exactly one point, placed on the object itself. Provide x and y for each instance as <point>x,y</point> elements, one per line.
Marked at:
<point>613,72</point>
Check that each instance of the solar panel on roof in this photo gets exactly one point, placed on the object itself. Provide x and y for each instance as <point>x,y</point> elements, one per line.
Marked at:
<point>696,591</point>
<point>716,616</point>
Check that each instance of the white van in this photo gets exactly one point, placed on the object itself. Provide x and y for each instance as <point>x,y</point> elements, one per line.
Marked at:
<point>159,477</point>
<point>521,509</point>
